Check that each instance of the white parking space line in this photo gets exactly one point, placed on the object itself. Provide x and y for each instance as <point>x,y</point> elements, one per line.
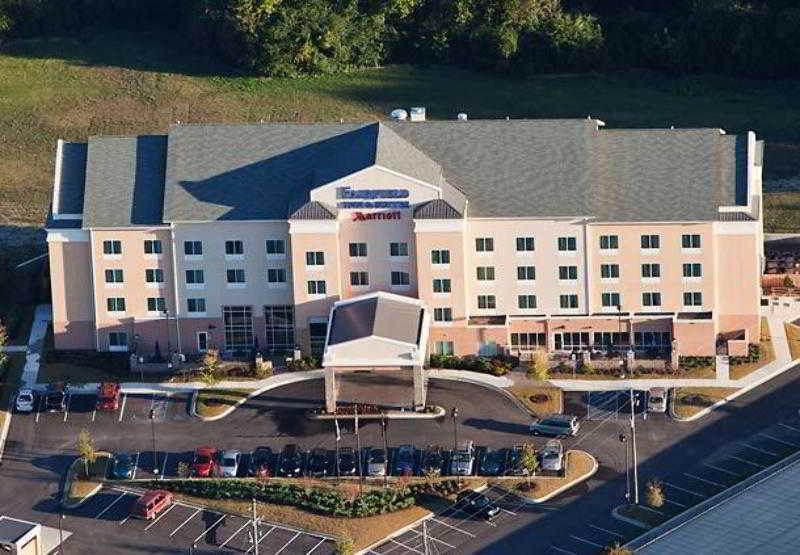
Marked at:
<point>287,543</point>
<point>247,523</point>
<point>197,539</point>
<point>760,450</point>
<point>114,502</point>
<point>433,538</point>
<point>313,549</point>
<point>162,515</point>
<point>745,461</point>
<point>404,546</point>
<point>164,465</point>
<point>124,520</point>
<point>671,502</point>
<point>267,533</point>
<point>181,525</point>
<point>704,480</point>
<point>723,470</point>
<point>122,407</point>
<point>66,408</point>
<point>775,439</point>
<point>38,409</point>
<point>789,427</point>
<point>94,414</point>
<point>611,532</point>
<point>135,465</point>
<point>684,490</point>
<point>597,545</point>
<point>562,550</point>
<point>471,535</point>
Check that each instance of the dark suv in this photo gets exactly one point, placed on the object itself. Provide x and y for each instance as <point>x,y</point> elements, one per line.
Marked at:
<point>55,398</point>
<point>291,462</point>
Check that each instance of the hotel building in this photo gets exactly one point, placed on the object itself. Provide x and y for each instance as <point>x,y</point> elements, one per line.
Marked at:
<point>509,235</point>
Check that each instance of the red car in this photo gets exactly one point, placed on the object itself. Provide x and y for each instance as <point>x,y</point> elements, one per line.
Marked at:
<point>108,396</point>
<point>151,503</point>
<point>204,461</point>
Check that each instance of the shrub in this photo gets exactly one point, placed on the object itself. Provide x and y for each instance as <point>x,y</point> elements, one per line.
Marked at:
<point>345,546</point>
<point>303,364</point>
<point>261,371</point>
<point>539,367</point>
<point>617,549</point>
<point>654,495</point>
<point>539,398</point>
<point>588,369</point>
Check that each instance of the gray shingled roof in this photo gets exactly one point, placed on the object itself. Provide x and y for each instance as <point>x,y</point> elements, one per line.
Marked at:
<point>313,210</point>
<point>124,181</point>
<point>73,178</point>
<point>437,209</point>
<point>376,316</point>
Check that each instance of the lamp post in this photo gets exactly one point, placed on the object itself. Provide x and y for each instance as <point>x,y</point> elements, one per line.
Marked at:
<point>622,440</point>
<point>384,426</point>
<point>633,447</point>
<point>153,429</point>
<point>454,414</point>
<point>169,345</point>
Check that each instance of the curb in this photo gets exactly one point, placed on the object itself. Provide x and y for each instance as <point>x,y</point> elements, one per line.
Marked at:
<point>632,521</point>
<point>389,415</point>
<point>500,389</point>
<point>83,499</point>
<point>6,426</point>
<point>562,489</point>
<point>394,534</point>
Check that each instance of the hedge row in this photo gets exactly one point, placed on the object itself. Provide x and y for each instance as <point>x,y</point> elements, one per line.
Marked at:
<point>497,366</point>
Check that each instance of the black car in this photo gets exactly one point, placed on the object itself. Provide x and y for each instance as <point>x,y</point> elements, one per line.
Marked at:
<point>348,461</point>
<point>476,503</point>
<point>432,461</point>
<point>291,462</point>
<point>493,462</point>
<point>404,461</point>
<point>55,398</point>
<point>260,462</point>
<point>319,463</point>
<point>514,462</point>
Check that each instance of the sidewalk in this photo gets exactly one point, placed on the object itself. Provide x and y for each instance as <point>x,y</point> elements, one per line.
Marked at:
<point>42,317</point>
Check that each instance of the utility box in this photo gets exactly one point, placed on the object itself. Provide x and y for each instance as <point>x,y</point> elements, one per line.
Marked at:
<point>20,537</point>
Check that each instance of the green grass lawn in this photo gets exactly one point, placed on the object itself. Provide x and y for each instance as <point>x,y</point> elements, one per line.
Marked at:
<point>128,84</point>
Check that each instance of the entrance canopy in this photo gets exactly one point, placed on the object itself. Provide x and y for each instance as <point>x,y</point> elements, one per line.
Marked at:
<point>377,329</point>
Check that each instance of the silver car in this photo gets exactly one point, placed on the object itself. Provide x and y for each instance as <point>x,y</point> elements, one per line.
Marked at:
<point>556,425</point>
<point>26,399</point>
<point>551,456</point>
<point>376,462</point>
<point>229,463</point>
<point>463,459</point>
<point>657,399</point>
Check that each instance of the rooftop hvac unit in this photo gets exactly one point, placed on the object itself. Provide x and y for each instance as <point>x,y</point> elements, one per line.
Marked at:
<point>418,113</point>
<point>461,116</point>
<point>399,114</point>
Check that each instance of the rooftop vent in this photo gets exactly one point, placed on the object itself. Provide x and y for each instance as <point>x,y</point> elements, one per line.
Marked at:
<point>398,114</point>
<point>418,113</point>
<point>461,116</point>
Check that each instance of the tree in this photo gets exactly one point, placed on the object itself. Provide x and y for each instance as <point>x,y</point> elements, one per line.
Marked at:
<point>345,545</point>
<point>529,462</point>
<point>3,343</point>
<point>87,451</point>
<point>539,367</point>
<point>617,549</point>
<point>787,282</point>
<point>209,371</point>
<point>654,495</point>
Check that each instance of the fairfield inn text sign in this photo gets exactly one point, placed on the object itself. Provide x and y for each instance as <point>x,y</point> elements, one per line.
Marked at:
<point>371,198</point>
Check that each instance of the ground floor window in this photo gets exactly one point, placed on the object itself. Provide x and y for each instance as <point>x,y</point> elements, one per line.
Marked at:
<point>317,332</point>
<point>528,341</point>
<point>571,340</point>
<point>238,327</point>
<point>487,348</point>
<point>443,348</point>
<point>609,338</point>
<point>118,341</point>
<point>647,339</point>
<point>279,322</point>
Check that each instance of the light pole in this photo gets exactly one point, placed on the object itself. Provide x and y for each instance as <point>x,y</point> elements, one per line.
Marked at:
<point>454,414</point>
<point>61,534</point>
<point>169,344</point>
<point>384,426</point>
<point>633,446</point>
<point>153,429</point>
<point>622,440</point>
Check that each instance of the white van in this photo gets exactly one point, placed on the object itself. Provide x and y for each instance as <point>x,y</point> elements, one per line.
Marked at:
<point>657,399</point>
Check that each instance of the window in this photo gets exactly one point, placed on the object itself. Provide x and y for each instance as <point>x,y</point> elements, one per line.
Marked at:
<point>567,272</point>
<point>276,275</point>
<point>156,304</point>
<point>571,340</point>
<point>485,273</point>
<point>195,277</point>
<point>315,258</point>
<point>650,241</point>
<point>193,248</point>
<point>152,246</point>
<point>609,271</point>
<point>118,341</point>
<point>235,275</point>
<point>238,324</point>
<point>276,247</point>
<point>196,305</point>
<point>441,286</point>
<point>279,322</point>
<point>651,299</point>
<point>694,298</point>
<point>528,341</point>
<point>651,270</point>
<point>486,302</point>
<point>693,270</point>
<point>154,275</point>
<point>317,332</point>
<point>400,278</point>
<point>443,314</point>
<point>234,248</point>
<point>316,287</point>
<point>114,276</point>
<point>112,247</point>
<point>115,304</point>
<point>610,300</point>
<point>609,242</point>
<point>652,339</point>
<point>359,279</point>
<point>526,301</point>
<point>398,249</point>
<point>525,273</point>
<point>568,301</point>
<point>567,244</point>
<point>690,241</point>
<point>358,250</point>
<point>443,348</point>
<point>607,339</point>
<point>484,244</point>
<point>441,256</point>
<point>525,244</point>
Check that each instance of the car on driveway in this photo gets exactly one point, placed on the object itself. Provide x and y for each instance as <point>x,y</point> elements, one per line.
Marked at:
<point>475,503</point>
<point>493,462</point>
<point>55,398</point>
<point>26,400</point>
<point>122,467</point>
<point>551,456</point>
<point>319,463</point>
<point>376,462</point>
<point>261,463</point>
<point>151,504</point>
<point>348,461</point>
<point>657,399</point>
<point>556,425</point>
<point>432,461</point>
<point>291,461</point>
<point>404,460</point>
<point>204,461</point>
<point>463,461</point>
<point>108,394</point>
<point>229,463</point>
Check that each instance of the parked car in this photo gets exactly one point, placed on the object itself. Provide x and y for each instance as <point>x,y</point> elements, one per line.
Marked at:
<point>551,456</point>
<point>657,399</point>
<point>493,462</point>
<point>229,463</point>
<point>432,461</point>
<point>291,461</point>
<point>122,466</point>
<point>463,462</point>
<point>108,395</point>
<point>204,461</point>
<point>261,462</point>
<point>556,425</point>
<point>153,502</point>
<point>55,398</point>
<point>319,463</point>
<point>348,461</point>
<point>476,503</point>
<point>26,400</point>
<point>376,462</point>
<point>514,462</point>
<point>404,461</point>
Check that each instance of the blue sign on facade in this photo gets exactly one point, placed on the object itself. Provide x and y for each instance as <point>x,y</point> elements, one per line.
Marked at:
<point>366,198</point>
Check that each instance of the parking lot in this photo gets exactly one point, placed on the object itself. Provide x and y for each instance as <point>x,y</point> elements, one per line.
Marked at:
<point>183,526</point>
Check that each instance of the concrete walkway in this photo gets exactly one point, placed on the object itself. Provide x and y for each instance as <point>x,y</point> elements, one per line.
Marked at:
<point>42,317</point>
